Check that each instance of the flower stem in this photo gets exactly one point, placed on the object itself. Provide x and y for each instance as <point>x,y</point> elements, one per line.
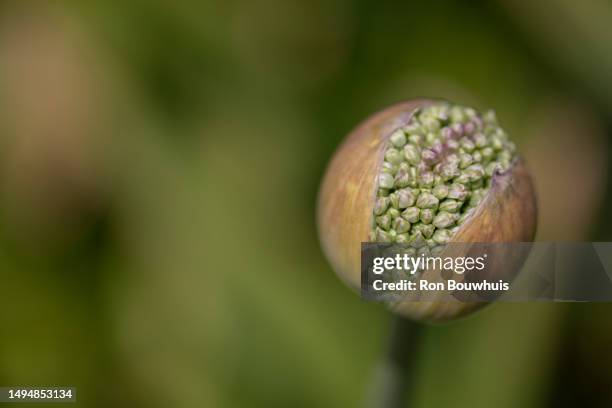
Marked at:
<point>395,376</point>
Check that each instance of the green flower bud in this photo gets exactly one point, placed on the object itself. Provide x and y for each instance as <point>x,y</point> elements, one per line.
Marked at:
<point>383,236</point>
<point>475,172</point>
<point>443,219</point>
<point>413,177</point>
<point>440,191</point>
<point>427,200</point>
<point>402,238</point>
<point>400,225</point>
<point>393,212</point>
<point>452,144</point>
<point>442,236</point>
<point>381,204</point>
<point>388,168</point>
<point>487,153</point>
<point>441,112</point>
<point>458,192</point>
<point>427,230</point>
<point>504,157</point>
<point>467,144</point>
<point>384,221</point>
<point>412,154</point>
<point>431,124</point>
<point>394,200</point>
<point>402,179</point>
<point>415,139</point>
<point>398,138</point>
<point>450,205</point>
<point>426,179</point>
<point>428,156</point>
<point>413,129</point>
<point>385,180</point>
<point>431,138</point>
<point>405,198</point>
<point>453,158</point>
<point>393,156</point>
<point>480,140</point>
<point>497,142</point>
<point>463,178</point>
<point>426,216</point>
<point>465,160</point>
<point>417,240</point>
<point>411,214</point>
<point>449,171</point>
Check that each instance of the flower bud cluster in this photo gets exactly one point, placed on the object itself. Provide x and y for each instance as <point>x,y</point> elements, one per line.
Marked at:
<point>436,170</point>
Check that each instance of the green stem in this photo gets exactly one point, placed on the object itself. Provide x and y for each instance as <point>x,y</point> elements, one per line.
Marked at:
<point>394,378</point>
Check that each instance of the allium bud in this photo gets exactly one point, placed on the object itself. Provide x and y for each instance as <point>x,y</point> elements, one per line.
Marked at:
<point>398,139</point>
<point>400,225</point>
<point>440,191</point>
<point>424,173</point>
<point>381,205</point>
<point>411,214</point>
<point>405,198</point>
<point>449,205</point>
<point>427,200</point>
<point>426,216</point>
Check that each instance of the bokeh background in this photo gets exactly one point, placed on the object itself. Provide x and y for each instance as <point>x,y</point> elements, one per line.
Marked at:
<point>159,165</point>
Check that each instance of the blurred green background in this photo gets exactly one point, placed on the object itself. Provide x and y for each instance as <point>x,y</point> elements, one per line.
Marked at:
<point>159,165</point>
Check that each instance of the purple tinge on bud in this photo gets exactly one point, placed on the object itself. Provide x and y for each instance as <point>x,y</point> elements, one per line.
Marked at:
<point>457,192</point>
<point>426,179</point>
<point>458,130</point>
<point>438,149</point>
<point>427,200</point>
<point>402,178</point>
<point>452,144</point>
<point>405,198</point>
<point>429,156</point>
<point>469,128</point>
<point>449,170</point>
<point>447,133</point>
